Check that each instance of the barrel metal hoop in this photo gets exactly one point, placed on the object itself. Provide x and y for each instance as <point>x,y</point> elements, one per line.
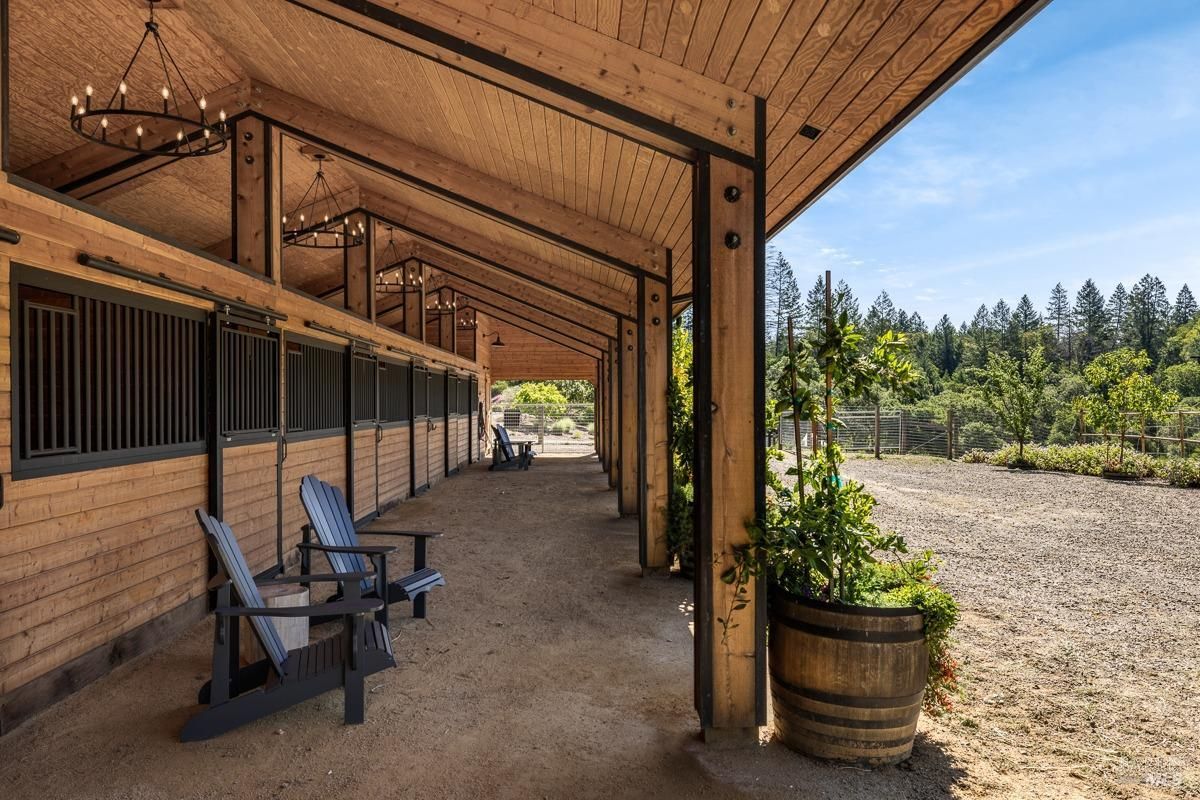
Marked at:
<point>849,634</point>
<point>849,700</point>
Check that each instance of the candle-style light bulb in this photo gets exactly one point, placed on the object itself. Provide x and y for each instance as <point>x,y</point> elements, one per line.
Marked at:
<point>221,115</point>
<point>87,100</point>
<point>203,103</point>
<point>139,131</point>
<point>166,93</point>
<point>74,100</point>
<point>88,91</point>
<point>122,88</point>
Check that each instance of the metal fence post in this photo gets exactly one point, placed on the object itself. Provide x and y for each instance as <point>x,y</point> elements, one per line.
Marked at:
<point>1182,437</point>
<point>903,433</point>
<point>541,425</point>
<point>950,433</point>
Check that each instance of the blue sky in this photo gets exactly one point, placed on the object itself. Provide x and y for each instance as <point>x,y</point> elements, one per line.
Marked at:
<point>1073,151</point>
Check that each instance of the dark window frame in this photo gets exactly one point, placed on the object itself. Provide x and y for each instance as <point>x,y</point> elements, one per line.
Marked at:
<point>332,407</point>
<point>86,373</point>
<point>262,341</point>
<point>437,390</point>
<point>395,392</point>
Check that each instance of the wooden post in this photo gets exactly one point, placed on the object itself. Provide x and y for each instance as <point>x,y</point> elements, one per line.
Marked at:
<point>654,372</point>
<point>795,410</point>
<point>1182,437</point>
<point>627,469</point>
<point>729,263</point>
<point>446,327</point>
<point>613,416</point>
<point>815,430</point>
<point>257,182</point>
<point>950,433</point>
<point>359,272</point>
<point>878,429</point>
<point>414,308</point>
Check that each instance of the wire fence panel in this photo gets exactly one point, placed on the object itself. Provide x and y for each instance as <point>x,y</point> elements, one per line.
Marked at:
<point>555,427</point>
<point>950,435</point>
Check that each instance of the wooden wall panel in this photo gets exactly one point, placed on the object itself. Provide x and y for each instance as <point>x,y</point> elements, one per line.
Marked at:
<point>325,458</point>
<point>364,472</point>
<point>88,556</point>
<point>526,356</point>
<point>420,461</point>
<point>395,466</point>
<point>251,501</point>
<point>437,452</point>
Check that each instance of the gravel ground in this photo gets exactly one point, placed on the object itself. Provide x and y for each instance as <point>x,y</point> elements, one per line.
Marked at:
<point>550,669</point>
<point>1080,635</point>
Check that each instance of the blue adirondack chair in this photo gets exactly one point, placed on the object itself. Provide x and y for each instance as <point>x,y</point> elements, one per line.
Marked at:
<point>330,518</point>
<point>506,456</point>
<point>237,695</point>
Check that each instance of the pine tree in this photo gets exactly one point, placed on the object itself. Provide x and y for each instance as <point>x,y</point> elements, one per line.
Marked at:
<point>945,347</point>
<point>782,298</point>
<point>979,338</point>
<point>850,302</point>
<point>1185,307</point>
<point>903,324</point>
<point>1091,320</point>
<point>881,316</point>
<point>1026,316</point>
<point>1118,310</point>
<point>916,324</point>
<point>1149,318</point>
<point>814,305</point>
<point>1004,325</point>
<point>1058,314</point>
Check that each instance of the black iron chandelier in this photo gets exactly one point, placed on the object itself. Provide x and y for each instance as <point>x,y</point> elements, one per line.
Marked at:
<point>318,220</point>
<point>194,134</point>
<point>465,321</point>
<point>441,306</point>
<point>401,275</point>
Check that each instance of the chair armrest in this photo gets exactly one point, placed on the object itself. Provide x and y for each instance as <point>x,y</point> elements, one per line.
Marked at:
<point>337,608</point>
<point>367,550</point>
<point>413,534</point>
<point>337,577</point>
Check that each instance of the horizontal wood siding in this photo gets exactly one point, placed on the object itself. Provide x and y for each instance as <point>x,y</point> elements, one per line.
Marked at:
<point>437,452</point>
<point>88,556</point>
<point>463,425</point>
<point>251,502</point>
<point>395,465</point>
<point>420,453</point>
<point>364,472</point>
<point>325,458</point>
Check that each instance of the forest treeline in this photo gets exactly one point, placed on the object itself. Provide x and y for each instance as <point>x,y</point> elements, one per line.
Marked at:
<point>1073,329</point>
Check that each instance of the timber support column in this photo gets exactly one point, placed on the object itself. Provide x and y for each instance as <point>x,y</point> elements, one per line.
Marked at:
<point>414,309</point>
<point>628,458</point>
<point>257,186</point>
<point>612,413</point>
<point>598,412</point>
<point>729,247</point>
<point>359,272</point>
<point>447,329</point>
<point>654,469</point>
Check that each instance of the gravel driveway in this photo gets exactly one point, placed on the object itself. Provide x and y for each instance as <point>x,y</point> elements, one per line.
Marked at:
<point>1081,627</point>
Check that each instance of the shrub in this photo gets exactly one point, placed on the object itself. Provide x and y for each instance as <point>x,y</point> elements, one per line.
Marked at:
<point>542,394</point>
<point>1080,459</point>
<point>562,426</point>
<point>979,435</point>
<point>976,457</point>
<point>591,427</point>
<point>1179,471</point>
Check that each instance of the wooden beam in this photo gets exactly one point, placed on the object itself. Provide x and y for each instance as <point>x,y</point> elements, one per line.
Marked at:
<point>257,189</point>
<point>554,61</point>
<point>730,654</point>
<point>460,184</point>
<point>358,275</point>
<point>517,321</point>
<point>447,236</point>
<point>654,369</point>
<point>515,289</point>
<point>627,470</point>
<point>92,167</point>
<point>479,293</point>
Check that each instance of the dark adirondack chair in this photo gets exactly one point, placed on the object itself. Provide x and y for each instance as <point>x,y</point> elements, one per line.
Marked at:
<point>237,695</point>
<point>510,454</point>
<point>330,518</point>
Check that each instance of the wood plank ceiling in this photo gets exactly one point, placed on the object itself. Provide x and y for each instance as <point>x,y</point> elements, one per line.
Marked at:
<point>844,67</point>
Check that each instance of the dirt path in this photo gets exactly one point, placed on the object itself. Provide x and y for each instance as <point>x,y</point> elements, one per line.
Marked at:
<point>549,669</point>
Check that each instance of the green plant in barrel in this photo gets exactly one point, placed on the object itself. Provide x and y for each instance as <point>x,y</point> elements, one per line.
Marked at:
<point>818,538</point>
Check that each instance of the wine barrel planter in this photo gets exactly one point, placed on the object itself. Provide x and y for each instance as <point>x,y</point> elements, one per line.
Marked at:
<point>847,682</point>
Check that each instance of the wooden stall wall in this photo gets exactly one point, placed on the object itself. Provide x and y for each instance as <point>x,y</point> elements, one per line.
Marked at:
<point>395,465</point>
<point>420,459</point>
<point>325,458</point>
<point>436,469</point>
<point>365,472</point>
<point>251,501</point>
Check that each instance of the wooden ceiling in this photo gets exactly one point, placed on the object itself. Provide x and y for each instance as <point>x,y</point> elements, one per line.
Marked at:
<point>850,69</point>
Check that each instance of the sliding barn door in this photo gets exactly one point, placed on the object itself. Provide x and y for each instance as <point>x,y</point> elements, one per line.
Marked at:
<point>395,432</point>
<point>437,426</point>
<point>420,429</point>
<point>364,433</point>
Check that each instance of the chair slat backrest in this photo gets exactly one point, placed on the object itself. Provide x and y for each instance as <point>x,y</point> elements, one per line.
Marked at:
<point>505,442</point>
<point>225,547</point>
<point>330,518</point>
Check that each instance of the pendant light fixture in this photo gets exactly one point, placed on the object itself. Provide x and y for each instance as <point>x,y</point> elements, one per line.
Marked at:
<point>401,275</point>
<point>318,221</point>
<point>165,127</point>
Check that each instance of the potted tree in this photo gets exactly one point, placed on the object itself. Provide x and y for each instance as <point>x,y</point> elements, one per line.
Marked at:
<point>858,629</point>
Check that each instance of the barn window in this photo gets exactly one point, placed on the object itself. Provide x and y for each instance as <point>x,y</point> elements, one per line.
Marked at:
<point>437,395</point>
<point>315,388</point>
<point>250,371</point>
<point>102,377</point>
<point>365,388</point>
<point>395,397</point>
<point>421,381</point>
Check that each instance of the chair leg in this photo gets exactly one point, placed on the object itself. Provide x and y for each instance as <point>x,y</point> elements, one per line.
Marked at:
<point>418,604</point>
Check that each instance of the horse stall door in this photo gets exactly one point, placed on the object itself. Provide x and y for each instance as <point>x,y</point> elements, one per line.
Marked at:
<point>249,364</point>
<point>420,429</point>
<point>395,432</point>
<point>437,426</point>
<point>366,432</point>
